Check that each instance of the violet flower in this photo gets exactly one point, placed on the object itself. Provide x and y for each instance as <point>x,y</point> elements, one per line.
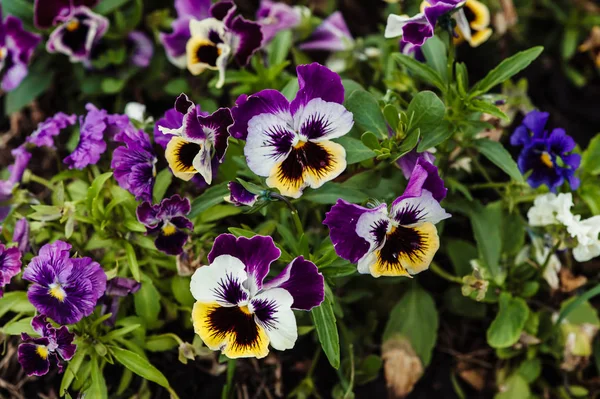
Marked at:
<point>290,142</point>
<point>134,163</point>
<point>50,128</point>
<point>172,120</point>
<point>398,242</point>
<point>197,142</point>
<point>239,196</point>
<point>275,17</point>
<point>16,49</point>
<point>239,314</point>
<point>95,128</point>
<point>117,288</point>
<point>65,289</point>
<point>79,29</point>
<point>10,265</point>
<point>547,154</point>
<point>16,170</point>
<point>21,235</point>
<point>167,221</point>
<point>332,35</point>
<point>37,354</point>
<point>142,49</point>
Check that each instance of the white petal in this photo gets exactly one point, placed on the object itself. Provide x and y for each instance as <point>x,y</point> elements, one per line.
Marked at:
<point>202,162</point>
<point>208,281</point>
<point>417,210</point>
<point>583,253</point>
<point>222,61</point>
<point>280,322</point>
<point>463,24</point>
<point>395,23</point>
<point>365,263</point>
<point>332,119</point>
<point>135,111</point>
<point>265,131</point>
<point>368,224</point>
<point>201,29</point>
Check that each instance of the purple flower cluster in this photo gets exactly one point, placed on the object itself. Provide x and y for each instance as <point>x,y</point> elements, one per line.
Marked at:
<point>17,169</point>
<point>10,265</point>
<point>546,154</point>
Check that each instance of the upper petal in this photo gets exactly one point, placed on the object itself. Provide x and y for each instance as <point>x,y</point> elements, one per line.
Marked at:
<point>198,9</point>
<point>221,282</point>
<point>424,177</point>
<point>317,81</point>
<point>264,102</point>
<point>332,35</point>
<point>536,121</point>
<point>256,254</point>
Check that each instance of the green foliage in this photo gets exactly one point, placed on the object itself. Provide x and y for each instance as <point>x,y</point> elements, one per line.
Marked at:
<point>506,328</point>
<point>326,326</point>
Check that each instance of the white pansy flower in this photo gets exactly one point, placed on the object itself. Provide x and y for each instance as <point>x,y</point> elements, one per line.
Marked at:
<point>550,209</point>
<point>586,231</point>
<point>551,269</point>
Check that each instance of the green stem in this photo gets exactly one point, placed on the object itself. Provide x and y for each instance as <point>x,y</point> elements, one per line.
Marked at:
<point>444,274</point>
<point>451,58</point>
<point>483,186</point>
<point>293,212</point>
<point>37,179</point>
<point>547,260</point>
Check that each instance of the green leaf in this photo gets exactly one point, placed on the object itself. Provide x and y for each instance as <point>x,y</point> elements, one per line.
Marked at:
<point>331,192</point>
<point>590,161</point>
<point>530,369</point>
<point>290,90</point>
<point>436,56</point>
<point>72,369</point>
<point>18,327</point>
<point>577,310</point>
<point>391,115</point>
<point>425,112</point>
<point>515,387</point>
<point>487,225</point>
<point>415,317</point>
<point>463,306</point>
<point>462,78</point>
<point>107,6</point>
<point>139,366</point>
<point>147,302</point>
<point>177,86</point>
<point>497,154</point>
<point>487,108</point>
<point>505,70</point>
<point>180,286</point>
<point>211,197</point>
<point>506,328</point>
<point>18,8</point>
<point>350,86</point>
<point>161,184</point>
<point>356,151</point>
<point>367,114</point>
<point>132,261</point>
<point>37,81</point>
<point>422,71</point>
<point>96,187</point>
<point>326,326</point>
<point>112,85</point>
<point>461,253</point>
<point>370,140</point>
<point>279,47</point>
<point>97,388</point>
<point>17,302</point>
<point>408,144</point>
<point>437,135</point>
<point>161,343</point>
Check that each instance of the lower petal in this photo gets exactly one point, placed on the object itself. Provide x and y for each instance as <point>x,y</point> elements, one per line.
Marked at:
<point>230,329</point>
<point>272,310</point>
<point>180,155</point>
<point>34,359</point>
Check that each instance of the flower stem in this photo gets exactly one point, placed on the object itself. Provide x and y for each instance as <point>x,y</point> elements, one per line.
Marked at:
<point>444,274</point>
<point>293,212</point>
<point>28,176</point>
<point>451,57</point>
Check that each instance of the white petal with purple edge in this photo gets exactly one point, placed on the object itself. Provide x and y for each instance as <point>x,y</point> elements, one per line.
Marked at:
<point>395,24</point>
<point>202,162</point>
<point>373,226</point>
<point>321,120</point>
<point>417,210</point>
<point>272,311</point>
<point>221,281</point>
<point>269,141</point>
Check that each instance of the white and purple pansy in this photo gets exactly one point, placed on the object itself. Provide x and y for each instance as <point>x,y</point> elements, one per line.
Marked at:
<point>167,220</point>
<point>290,142</point>
<point>400,241</point>
<point>332,35</point>
<point>78,27</point>
<point>239,196</point>
<point>10,265</point>
<point>37,354</point>
<point>275,17</point>
<point>240,315</point>
<point>198,142</point>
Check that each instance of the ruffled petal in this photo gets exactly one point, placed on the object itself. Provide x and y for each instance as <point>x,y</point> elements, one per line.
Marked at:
<point>221,282</point>
<point>34,359</point>
<point>264,102</point>
<point>316,81</point>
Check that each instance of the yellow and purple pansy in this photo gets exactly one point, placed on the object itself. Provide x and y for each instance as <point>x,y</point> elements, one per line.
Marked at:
<point>289,143</point>
<point>400,241</point>
<point>473,23</point>
<point>239,314</point>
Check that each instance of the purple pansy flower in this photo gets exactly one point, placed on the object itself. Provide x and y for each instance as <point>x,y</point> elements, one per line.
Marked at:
<point>79,28</point>
<point>417,29</point>
<point>167,220</point>
<point>239,196</point>
<point>398,242</point>
<point>65,289</point>
<point>290,142</point>
<point>197,141</point>
<point>95,127</point>
<point>172,120</point>
<point>215,41</point>
<point>17,169</point>
<point>50,128</point>
<point>239,314</point>
<point>10,265</point>
<point>275,17</point>
<point>142,49</point>
<point>134,163</point>
<point>16,48</point>
<point>37,354</point>
<point>547,154</point>
<point>21,235</point>
<point>117,288</point>
<point>332,35</point>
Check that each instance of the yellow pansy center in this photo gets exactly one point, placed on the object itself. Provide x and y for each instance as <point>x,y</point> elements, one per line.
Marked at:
<point>169,229</point>
<point>245,309</point>
<point>57,291</point>
<point>72,25</point>
<point>299,144</point>
<point>42,351</point>
<point>3,53</point>
<point>546,160</point>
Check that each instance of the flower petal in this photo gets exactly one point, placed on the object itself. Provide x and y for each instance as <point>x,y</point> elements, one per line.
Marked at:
<point>264,102</point>
<point>269,141</point>
<point>321,120</point>
<point>332,35</point>
<point>272,311</point>
<point>316,81</point>
<point>180,154</point>
<point>220,282</point>
<point>34,359</point>
<point>248,38</point>
<point>415,210</point>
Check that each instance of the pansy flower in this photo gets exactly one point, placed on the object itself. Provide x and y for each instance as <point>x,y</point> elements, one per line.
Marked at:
<point>78,27</point>
<point>239,314</point>
<point>171,120</point>
<point>167,220</point>
<point>198,141</point>
<point>117,288</point>
<point>65,289</point>
<point>290,142</point>
<point>16,49</point>
<point>473,23</point>
<point>239,196</point>
<point>10,265</point>
<point>417,29</point>
<point>332,35</point>
<point>547,154</point>
<point>400,241</point>
<point>37,354</point>
<point>141,48</point>
<point>134,163</point>
<point>275,17</point>
<point>214,41</point>
<point>50,128</point>
<point>17,169</point>
<point>21,235</point>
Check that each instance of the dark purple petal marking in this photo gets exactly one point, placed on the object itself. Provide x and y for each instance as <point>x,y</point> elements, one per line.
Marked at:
<point>239,196</point>
<point>223,321</point>
<point>264,310</point>
<point>342,220</point>
<point>315,126</point>
<point>402,241</point>
<point>230,290</point>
